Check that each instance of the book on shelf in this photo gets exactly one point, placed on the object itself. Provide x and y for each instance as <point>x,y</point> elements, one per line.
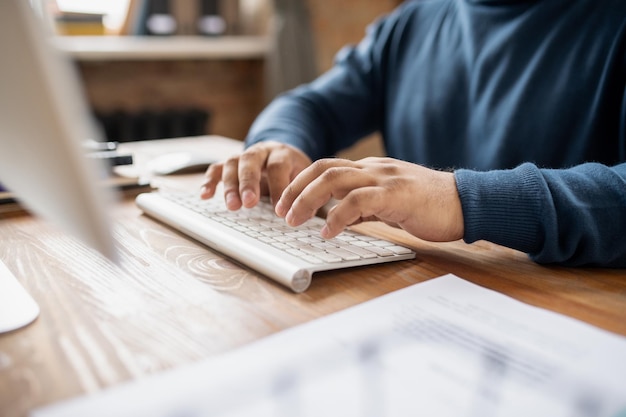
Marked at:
<point>79,24</point>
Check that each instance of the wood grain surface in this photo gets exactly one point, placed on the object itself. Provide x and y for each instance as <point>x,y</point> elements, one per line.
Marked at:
<point>171,301</point>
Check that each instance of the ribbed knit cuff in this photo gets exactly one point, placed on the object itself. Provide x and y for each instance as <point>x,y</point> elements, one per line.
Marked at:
<point>503,206</point>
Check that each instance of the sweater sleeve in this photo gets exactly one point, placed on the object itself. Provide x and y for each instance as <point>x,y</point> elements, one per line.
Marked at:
<point>338,108</point>
<point>573,217</point>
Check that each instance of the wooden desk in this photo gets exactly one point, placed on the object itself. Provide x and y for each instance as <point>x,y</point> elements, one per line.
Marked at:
<point>172,301</point>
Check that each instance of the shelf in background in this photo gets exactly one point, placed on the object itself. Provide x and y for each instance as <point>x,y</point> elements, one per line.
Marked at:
<point>109,48</point>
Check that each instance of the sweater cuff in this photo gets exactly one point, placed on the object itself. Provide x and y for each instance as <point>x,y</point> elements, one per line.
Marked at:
<point>503,206</point>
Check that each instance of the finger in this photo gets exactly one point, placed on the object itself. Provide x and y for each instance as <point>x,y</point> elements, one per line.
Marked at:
<point>304,178</point>
<point>251,165</point>
<point>231,183</point>
<point>278,168</point>
<point>213,177</point>
<point>334,182</point>
<point>359,205</point>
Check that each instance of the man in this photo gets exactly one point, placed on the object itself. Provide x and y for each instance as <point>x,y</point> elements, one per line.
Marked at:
<point>518,108</point>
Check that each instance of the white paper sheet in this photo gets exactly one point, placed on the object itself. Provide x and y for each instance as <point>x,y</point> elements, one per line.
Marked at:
<point>445,347</point>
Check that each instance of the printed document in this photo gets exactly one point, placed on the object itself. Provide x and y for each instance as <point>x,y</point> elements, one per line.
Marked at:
<point>441,348</point>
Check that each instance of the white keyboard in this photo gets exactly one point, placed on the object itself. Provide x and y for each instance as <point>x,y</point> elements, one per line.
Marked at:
<point>263,241</point>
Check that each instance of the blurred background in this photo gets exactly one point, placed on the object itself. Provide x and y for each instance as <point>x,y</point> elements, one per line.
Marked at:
<point>168,68</point>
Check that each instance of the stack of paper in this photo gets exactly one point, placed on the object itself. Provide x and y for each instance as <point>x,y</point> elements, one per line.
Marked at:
<point>444,347</point>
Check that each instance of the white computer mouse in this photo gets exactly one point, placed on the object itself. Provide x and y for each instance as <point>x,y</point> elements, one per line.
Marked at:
<point>179,163</point>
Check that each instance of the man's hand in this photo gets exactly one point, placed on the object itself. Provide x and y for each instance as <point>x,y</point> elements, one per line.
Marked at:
<point>264,168</point>
<point>422,201</point>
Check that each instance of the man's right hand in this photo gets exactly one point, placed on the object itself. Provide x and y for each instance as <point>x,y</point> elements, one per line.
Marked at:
<point>264,168</point>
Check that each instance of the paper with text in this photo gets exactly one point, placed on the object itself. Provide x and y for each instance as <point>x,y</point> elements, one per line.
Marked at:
<point>445,347</point>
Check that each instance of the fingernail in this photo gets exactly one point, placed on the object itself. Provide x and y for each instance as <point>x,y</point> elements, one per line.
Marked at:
<point>247,197</point>
<point>325,233</point>
<point>230,199</point>
<point>279,209</point>
<point>289,218</point>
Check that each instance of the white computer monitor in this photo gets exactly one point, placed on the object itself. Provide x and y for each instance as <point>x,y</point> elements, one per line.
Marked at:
<point>44,119</point>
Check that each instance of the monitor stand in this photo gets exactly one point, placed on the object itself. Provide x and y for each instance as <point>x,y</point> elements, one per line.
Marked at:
<point>17,307</point>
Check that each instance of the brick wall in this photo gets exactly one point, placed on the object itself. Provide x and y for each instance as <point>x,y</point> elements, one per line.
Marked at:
<point>230,90</point>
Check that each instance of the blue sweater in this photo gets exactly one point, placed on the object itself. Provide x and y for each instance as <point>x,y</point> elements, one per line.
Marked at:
<point>524,99</point>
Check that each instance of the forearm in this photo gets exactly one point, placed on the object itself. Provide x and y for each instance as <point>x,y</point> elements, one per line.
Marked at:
<point>325,116</point>
<point>572,216</point>
<point>334,111</point>
<point>291,119</point>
